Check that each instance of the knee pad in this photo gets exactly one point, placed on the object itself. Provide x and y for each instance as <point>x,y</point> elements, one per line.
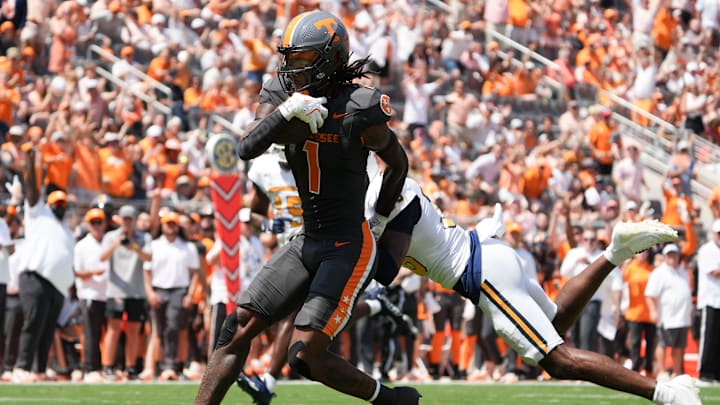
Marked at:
<point>229,328</point>
<point>297,363</point>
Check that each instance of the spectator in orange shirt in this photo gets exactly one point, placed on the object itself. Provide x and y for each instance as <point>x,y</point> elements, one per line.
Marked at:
<point>175,168</point>
<point>62,47</point>
<point>9,100</point>
<point>525,81</point>
<point>153,147</point>
<point>535,180</point>
<point>592,53</point>
<point>601,143</point>
<point>8,36</point>
<point>192,96</point>
<point>677,204</point>
<point>496,85</point>
<point>714,202</point>
<point>665,29</point>
<point>520,13</point>
<point>160,65</point>
<point>213,100</point>
<point>512,173</point>
<point>57,161</point>
<point>115,168</point>
<point>588,173</point>
<point>256,61</point>
<point>11,64</point>
<point>231,93</point>
<point>86,169</point>
<point>640,327</point>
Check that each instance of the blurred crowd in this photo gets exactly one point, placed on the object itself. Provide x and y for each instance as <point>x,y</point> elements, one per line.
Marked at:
<point>119,98</point>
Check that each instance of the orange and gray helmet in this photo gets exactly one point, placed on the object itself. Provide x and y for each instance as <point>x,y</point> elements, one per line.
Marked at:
<point>319,37</point>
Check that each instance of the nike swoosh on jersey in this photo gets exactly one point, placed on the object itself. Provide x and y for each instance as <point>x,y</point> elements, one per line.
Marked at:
<point>339,244</point>
<point>337,116</point>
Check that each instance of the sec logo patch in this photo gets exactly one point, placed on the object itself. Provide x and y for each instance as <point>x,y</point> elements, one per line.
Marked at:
<point>221,151</point>
<point>385,105</point>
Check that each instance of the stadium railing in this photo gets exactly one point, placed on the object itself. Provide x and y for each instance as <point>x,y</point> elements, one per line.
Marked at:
<point>122,84</point>
<point>658,148</point>
<point>139,74</point>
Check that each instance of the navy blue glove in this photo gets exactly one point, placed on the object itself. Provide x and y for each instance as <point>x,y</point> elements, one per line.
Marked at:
<point>278,225</point>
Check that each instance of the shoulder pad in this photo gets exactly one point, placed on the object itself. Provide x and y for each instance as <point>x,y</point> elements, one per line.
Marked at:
<point>259,166</point>
<point>366,98</point>
<point>272,92</point>
<point>370,104</point>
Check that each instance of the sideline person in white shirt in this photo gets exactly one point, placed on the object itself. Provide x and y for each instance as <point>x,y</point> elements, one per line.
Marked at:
<point>576,260</point>
<point>170,278</point>
<point>669,300</point>
<point>708,301</point>
<point>91,285</point>
<point>5,244</point>
<point>46,274</point>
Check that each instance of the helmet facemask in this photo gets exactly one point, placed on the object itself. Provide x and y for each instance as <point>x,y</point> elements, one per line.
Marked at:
<point>309,70</point>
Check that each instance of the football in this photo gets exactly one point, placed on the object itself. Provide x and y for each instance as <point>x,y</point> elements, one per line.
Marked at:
<point>295,132</point>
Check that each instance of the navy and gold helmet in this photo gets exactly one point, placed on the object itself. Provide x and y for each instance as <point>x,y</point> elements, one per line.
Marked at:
<point>315,49</point>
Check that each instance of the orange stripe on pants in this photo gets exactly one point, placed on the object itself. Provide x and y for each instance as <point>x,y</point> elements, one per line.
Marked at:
<point>341,314</point>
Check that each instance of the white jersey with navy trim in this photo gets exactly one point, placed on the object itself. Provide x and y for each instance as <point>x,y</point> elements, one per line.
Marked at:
<point>439,249</point>
<point>278,184</point>
<point>520,311</point>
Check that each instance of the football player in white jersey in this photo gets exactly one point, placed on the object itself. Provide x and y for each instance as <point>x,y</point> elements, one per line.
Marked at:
<point>274,189</point>
<point>489,272</point>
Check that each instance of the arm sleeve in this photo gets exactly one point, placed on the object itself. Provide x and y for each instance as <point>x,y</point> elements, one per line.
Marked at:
<point>193,259</point>
<point>653,287</point>
<point>149,264</point>
<point>4,234</point>
<point>707,263</point>
<point>36,210</point>
<point>78,257</point>
<point>261,136</point>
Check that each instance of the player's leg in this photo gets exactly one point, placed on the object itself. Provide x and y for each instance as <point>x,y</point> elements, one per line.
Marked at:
<point>308,355</point>
<point>227,361</point>
<point>277,290</point>
<point>262,388</point>
<point>568,363</point>
<point>341,275</point>
<point>456,319</point>
<point>524,324</point>
<point>280,348</point>
<point>628,238</point>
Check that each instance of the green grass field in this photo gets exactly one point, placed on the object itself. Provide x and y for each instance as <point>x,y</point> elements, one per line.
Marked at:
<point>305,394</point>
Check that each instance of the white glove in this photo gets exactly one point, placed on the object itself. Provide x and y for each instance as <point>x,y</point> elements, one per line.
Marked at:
<point>307,109</point>
<point>15,190</point>
<point>683,211</point>
<point>491,227</point>
<point>377,225</point>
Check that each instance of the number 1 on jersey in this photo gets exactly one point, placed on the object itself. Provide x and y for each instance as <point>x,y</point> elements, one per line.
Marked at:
<point>312,149</point>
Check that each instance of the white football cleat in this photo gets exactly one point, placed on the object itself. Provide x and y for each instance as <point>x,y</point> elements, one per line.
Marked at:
<point>686,390</point>
<point>629,238</point>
